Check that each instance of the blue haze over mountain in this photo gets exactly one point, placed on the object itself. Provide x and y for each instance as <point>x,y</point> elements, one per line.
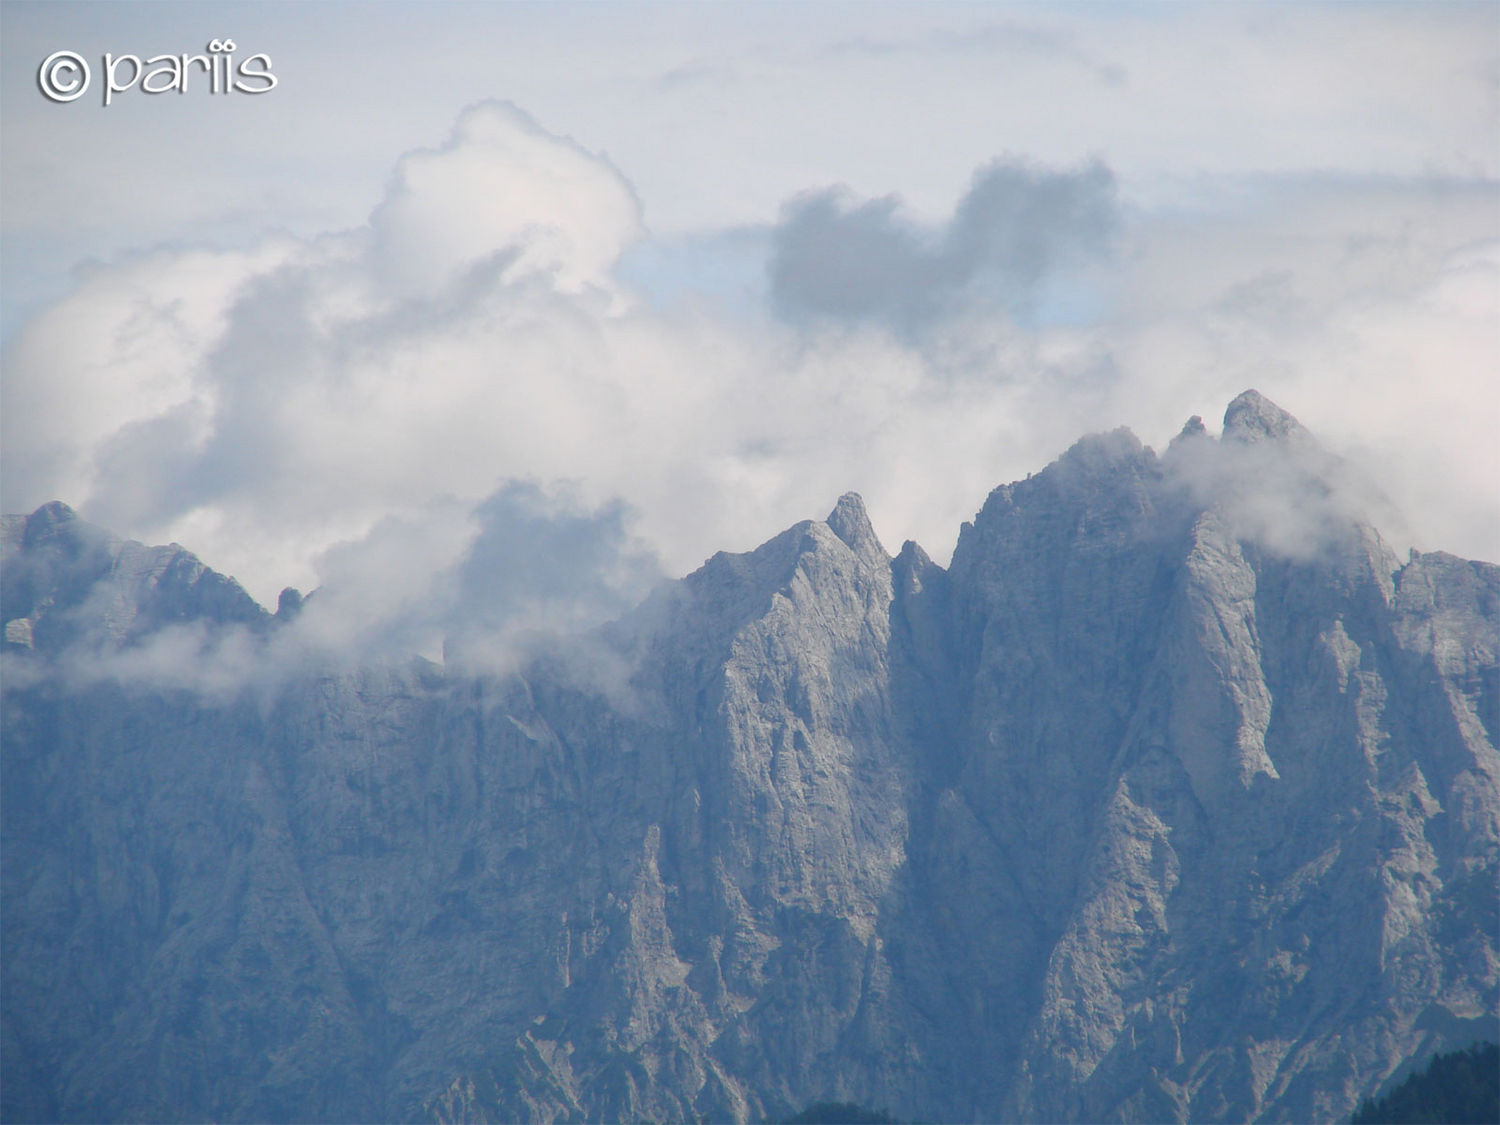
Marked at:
<point>1175,797</point>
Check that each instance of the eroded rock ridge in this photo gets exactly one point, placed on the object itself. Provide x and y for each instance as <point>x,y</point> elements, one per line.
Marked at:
<point>1175,797</point>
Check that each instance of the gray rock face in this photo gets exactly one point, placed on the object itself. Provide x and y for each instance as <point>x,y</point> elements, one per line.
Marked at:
<point>1175,797</point>
<point>67,583</point>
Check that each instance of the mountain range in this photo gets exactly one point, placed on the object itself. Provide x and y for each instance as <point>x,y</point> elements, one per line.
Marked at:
<point>1175,796</point>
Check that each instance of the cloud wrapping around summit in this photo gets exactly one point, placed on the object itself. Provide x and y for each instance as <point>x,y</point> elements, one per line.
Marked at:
<point>284,406</point>
<point>481,586</point>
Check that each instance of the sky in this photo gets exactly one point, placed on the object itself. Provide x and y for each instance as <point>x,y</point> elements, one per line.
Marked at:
<point>562,298</point>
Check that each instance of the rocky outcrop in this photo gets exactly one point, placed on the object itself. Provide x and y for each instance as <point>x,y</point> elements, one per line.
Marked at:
<point>68,584</point>
<point>1175,797</point>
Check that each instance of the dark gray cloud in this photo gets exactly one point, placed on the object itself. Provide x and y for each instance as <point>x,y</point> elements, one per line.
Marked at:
<point>834,258</point>
<point>544,564</point>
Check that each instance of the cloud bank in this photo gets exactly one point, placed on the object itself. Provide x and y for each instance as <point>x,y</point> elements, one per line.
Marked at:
<point>481,585</point>
<point>387,411</point>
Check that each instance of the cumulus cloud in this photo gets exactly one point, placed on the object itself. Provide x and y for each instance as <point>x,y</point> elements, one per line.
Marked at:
<point>125,348</point>
<point>502,190</point>
<point>353,411</point>
<point>844,260</point>
<point>337,380</point>
<point>267,405</point>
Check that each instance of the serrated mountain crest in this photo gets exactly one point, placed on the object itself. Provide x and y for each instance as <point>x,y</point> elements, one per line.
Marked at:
<point>1173,798</point>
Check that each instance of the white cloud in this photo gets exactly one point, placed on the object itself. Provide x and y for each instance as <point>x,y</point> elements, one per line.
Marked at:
<point>1369,308</point>
<point>502,189</point>
<point>333,409</point>
<point>126,347</point>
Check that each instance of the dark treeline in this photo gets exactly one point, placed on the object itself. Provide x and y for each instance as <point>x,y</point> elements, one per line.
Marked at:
<point>1460,1088</point>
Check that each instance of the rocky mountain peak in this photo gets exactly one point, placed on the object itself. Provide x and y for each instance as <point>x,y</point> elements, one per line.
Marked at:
<point>1192,430</point>
<point>69,579</point>
<point>1252,417</point>
<point>851,523</point>
<point>48,520</point>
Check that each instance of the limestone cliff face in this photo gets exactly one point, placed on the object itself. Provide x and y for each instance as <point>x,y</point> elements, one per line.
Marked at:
<point>1175,797</point>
